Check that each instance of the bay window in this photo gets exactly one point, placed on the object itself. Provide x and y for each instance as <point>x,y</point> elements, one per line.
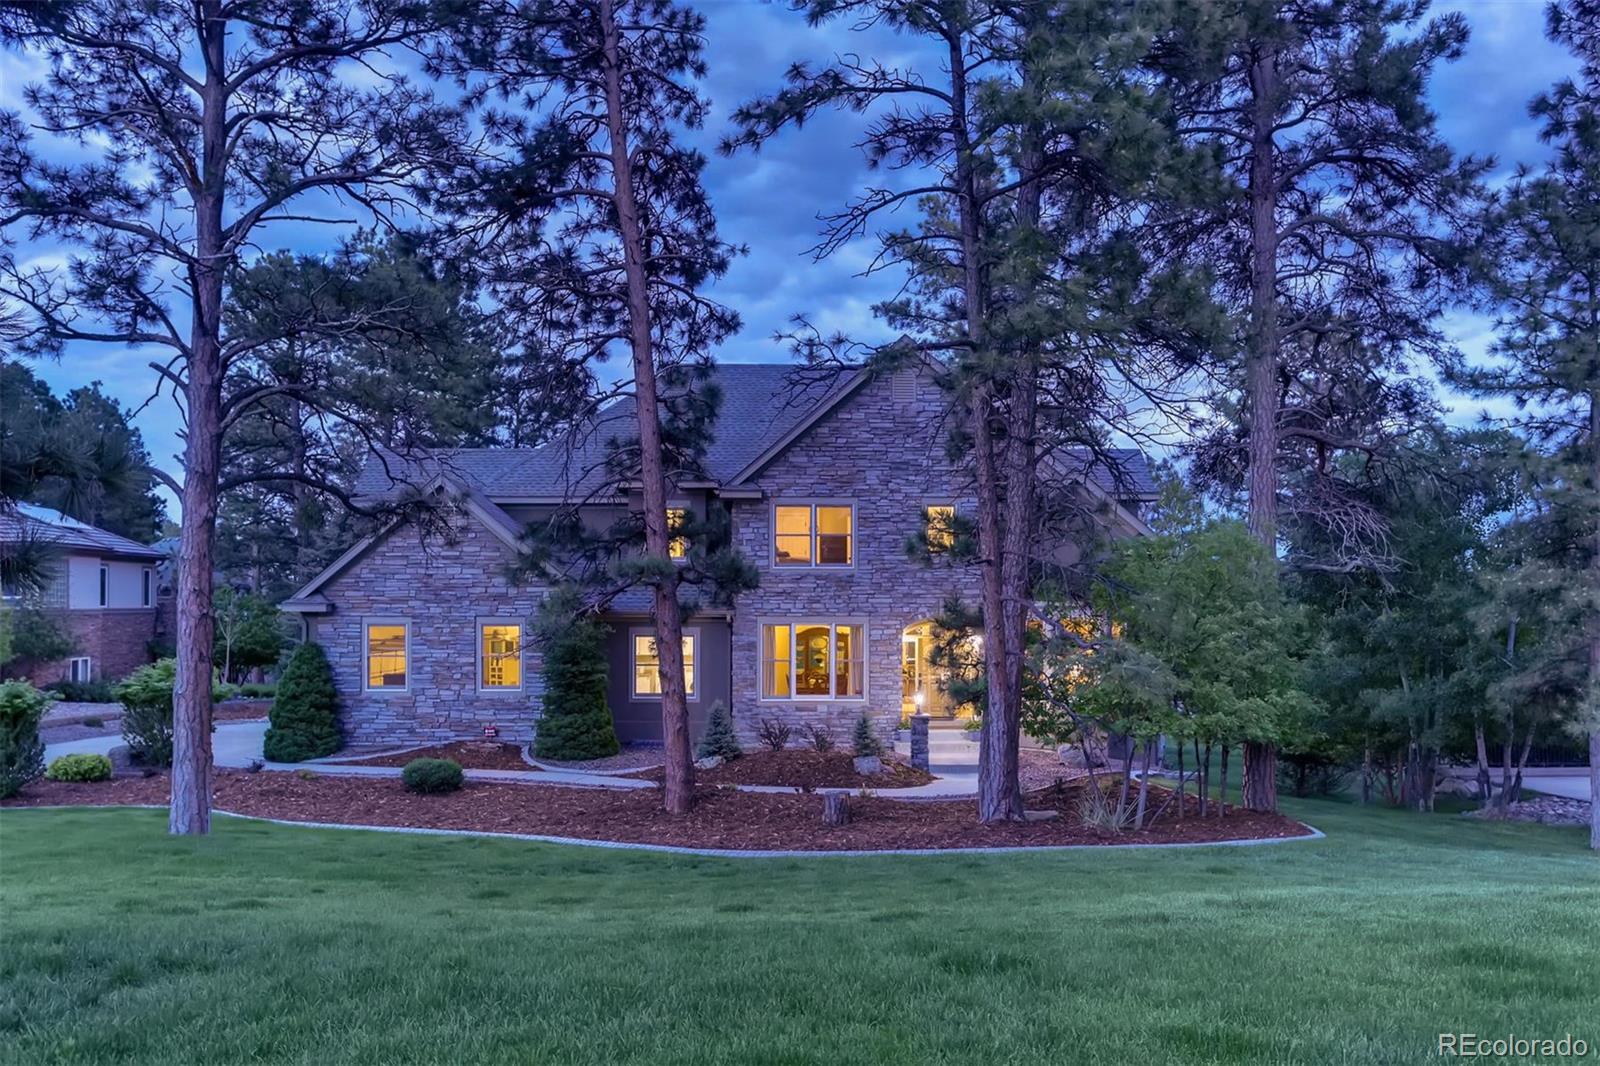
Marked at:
<point>813,534</point>
<point>647,665</point>
<point>813,661</point>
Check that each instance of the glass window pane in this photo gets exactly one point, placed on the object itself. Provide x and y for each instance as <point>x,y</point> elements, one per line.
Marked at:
<point>941,528</point>
<point>775,661</point>
<point>646,667</point>
<point>833,536</point>
<point>847,661</point>
<point>386,656</point>
<point>792,535</point>
<point>688,666</point>
<point>812,664</point>
<point>501,651</point>
<point>677,547</point>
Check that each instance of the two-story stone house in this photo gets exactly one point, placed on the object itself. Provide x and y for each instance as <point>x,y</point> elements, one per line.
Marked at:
<point>427,634</point>
<point>100,589</point>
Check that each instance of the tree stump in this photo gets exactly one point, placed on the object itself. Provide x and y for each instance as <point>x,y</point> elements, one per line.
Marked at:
<point>835,808</point>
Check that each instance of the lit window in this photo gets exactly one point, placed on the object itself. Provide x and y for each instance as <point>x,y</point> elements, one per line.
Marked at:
<point>647,665</point>
<point>812,534</point>
<point>677,518</point>
<point>386,655</point>
<point>941,528</point>
<point>500,655</point>
<point>105,585</point>
<point>813,660</point>
<point>80,669</point>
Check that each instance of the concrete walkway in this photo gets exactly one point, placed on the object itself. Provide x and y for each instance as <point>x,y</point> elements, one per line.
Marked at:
<point>237,745</point>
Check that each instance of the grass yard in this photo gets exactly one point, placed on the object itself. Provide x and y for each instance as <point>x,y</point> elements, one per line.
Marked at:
<point>275,944</point>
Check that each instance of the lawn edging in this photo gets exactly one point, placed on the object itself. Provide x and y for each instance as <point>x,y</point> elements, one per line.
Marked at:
<point>1313,833</point>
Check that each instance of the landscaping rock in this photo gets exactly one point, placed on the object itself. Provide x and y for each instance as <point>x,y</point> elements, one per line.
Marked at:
<point>1546,810</point>
<point>867,765</point>
<point>710,762</point>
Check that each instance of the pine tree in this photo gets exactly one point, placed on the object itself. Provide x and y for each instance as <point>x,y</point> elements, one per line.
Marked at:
<point>719,739</point>
<point>594,223</point>
<point>1334,247</point>
<point>229,116</point>
<point>575,722</point>
<point>1543,264</point>
<point>304,721</point>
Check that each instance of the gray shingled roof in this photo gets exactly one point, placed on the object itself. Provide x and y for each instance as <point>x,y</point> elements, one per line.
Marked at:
<point>44,525</point>
<point>761,403</point>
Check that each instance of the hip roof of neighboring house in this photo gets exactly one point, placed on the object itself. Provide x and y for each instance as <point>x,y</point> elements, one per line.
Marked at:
<point>765,407</point>
<point>46,526</point>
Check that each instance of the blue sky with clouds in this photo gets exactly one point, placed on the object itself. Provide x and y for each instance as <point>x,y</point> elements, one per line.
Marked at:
<point>769,201</point>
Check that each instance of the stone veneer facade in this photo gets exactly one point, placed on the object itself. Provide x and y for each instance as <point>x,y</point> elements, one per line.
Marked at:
<point>442,590</point>
<point>881,450</point>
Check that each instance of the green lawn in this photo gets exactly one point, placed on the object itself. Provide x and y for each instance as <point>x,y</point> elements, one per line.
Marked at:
<point>264,943</point>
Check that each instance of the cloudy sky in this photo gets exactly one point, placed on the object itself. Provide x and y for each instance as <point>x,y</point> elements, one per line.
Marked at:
<point>769,201</point>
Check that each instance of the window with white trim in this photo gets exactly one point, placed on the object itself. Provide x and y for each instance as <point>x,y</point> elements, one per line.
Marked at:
<point>147,587</point>
<point>388,655</point>
<point>813,660</point>
<point>80,668</point>
<point>500,655</point>
<point>647,664</point>
<point>813,534</point>
<point>105,585</point>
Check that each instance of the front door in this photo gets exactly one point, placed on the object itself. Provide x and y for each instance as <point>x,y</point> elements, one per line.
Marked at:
<point>920,690</point>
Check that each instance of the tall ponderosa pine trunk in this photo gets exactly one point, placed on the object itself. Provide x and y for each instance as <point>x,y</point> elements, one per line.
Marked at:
<point>1261,373</point>
<point>190,811</point>
<point>1594,621</point>
<point>679,770</point>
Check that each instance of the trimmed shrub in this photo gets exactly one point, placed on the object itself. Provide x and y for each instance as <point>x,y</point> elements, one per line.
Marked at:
<point>432,776</point>
<point>719,738</point>
<point>146,698</point>
<point>866,741</point>
<point>576,722</point>
<point>21,750</point>
<point>82,767</point>
<point>84,691</point>
<point>256,690</point>
<point>304,720</point>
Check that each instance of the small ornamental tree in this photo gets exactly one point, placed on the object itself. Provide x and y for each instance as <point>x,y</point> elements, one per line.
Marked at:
<point>866,741</point>
<point>719,739</point>
<point>21,750</point>
<point>576,723</point>
<point>305,712</point>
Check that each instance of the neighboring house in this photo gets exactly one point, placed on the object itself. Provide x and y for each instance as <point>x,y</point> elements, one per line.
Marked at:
<point>100,588</point>
<point>427,635</point>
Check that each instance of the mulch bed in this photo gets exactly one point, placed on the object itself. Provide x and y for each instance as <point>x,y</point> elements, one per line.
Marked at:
<point>722,818</point>
<point>241,710</point>
<point>802,768</point>
<point>471,754</point>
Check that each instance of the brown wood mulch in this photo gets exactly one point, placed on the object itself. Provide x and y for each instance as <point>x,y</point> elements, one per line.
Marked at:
<point>471,754</point>
<point>241,710</point>
<point>803,768</point>
<point>722,818</point>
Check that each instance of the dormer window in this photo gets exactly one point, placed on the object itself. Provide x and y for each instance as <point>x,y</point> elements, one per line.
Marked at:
<point>813,534</point>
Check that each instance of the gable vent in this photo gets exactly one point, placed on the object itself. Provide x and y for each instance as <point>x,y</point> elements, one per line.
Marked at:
<point>904,387</point>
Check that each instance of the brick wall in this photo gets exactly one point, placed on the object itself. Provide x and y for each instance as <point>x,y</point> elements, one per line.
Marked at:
<point>442,589</point>
<point>117,641</point>
<point>884,452</point>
